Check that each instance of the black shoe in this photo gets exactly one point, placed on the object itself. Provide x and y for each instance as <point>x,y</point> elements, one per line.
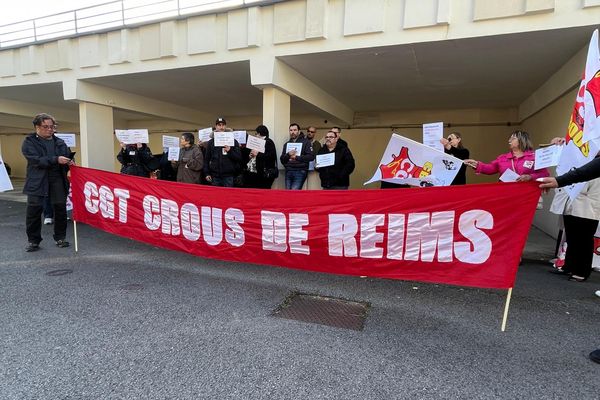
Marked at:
<point>595,356</point>
<point>62,243</point>
<point>32,247</point>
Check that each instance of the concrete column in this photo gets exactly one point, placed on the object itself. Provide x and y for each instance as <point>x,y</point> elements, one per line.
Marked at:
<point>276,117</point>
<point>96,130</point>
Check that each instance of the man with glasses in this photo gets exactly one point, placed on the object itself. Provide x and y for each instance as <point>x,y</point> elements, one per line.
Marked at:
<point>311,131</point>
<point>296,156</point>
<point>48,160</point>
<point>335,175</point>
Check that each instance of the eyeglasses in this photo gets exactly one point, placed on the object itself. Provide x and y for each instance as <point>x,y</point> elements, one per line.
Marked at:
<point>48,126</point>
<point>329,137</point>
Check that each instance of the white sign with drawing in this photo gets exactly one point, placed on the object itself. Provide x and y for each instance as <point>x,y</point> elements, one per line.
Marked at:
<point>170,141</point>
<point>68,138</point>
<point>224,139</point>
<point>325,160</point>
<point>256,143</point>
<point>204,135</point>
<point>432,133</point>
<point>294,146</point>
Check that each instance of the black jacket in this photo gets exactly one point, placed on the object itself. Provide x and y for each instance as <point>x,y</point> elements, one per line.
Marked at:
<point>135,161</point>
<point>302,160</point>
<point>337,174</point>
<point>461,154</point>
<point>222,165</point>
<point>39,164</point>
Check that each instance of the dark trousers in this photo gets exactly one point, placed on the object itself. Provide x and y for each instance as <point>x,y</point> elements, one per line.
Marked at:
<point>580,245</point>
<point>33,220</point>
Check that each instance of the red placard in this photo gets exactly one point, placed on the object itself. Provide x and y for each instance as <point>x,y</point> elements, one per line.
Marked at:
<point>471,235</point>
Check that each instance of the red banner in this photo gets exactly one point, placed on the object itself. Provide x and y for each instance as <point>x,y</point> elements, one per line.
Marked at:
<point>471,235</point>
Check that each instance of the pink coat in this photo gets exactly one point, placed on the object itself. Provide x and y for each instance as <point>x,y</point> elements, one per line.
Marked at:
<point>521,165</point>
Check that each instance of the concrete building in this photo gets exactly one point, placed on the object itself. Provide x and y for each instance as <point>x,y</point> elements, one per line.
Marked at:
<point>483,67</point>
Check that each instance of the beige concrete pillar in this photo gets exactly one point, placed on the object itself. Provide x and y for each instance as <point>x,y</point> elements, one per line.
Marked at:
<point>276,117</point>
<point>96,130</point>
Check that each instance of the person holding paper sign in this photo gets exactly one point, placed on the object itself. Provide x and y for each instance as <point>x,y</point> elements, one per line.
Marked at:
<point>334,175</point>
<point>222,163</point>
<point>295,157</point>
<point>134,158</point>
<point>191,161</point>
<point>48,160</point>
<point>520,160</point>
<point>453,146</point>
<point>261,167</point>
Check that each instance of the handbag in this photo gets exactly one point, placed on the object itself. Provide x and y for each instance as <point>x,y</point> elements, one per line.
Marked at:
<point>271,173</point>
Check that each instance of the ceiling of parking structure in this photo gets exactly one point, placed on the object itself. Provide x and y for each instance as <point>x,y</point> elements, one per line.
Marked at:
<point>498,71</point>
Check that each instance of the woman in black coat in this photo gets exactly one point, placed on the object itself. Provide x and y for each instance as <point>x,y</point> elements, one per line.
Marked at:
<point>260,169</point>
<point>453,146</point>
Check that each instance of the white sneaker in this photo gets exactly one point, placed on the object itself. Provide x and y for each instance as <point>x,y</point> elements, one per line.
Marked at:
<point>48,221</point>
<point>598,293</point>
<point>596,268</point>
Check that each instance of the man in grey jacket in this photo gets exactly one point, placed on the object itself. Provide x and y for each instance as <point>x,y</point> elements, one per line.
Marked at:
<point>48,160</point>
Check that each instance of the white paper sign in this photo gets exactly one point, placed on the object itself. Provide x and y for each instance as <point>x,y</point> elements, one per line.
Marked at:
<point>256,143</point>
<point>294,146</point>
<point>69,138</point>
<point>204,135</point>
<point>5,183</point>
<point>132,136</point>
<point>173,154</point>
<point>170,141</point>
<point>432,133</point>
<point>509,176</point>
<point>547,156</point>
<point>325,160</point>
<point>240,136</point>
<point>224,139</point>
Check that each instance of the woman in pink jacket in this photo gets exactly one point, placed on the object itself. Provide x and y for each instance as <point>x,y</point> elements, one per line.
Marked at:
<point>520,159</point>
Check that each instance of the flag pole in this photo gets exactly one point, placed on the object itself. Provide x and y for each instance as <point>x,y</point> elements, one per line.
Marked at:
<point>75,235</point>
<point>506,309</point>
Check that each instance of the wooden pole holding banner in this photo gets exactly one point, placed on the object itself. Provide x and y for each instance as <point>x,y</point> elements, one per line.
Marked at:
<point>75,235</point>
<point>506,309</point>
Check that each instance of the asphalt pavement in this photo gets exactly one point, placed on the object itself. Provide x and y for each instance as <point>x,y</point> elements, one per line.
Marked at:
<point>130,321</point>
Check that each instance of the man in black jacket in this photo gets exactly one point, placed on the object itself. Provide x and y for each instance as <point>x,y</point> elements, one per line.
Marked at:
<point>48,160</point>
<point>295,157</point>
<point>336,176</point>
<point>222,163</point>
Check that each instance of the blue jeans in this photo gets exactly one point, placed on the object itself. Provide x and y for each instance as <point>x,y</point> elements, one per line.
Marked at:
<point>294,178</point>
<point>226,181</point>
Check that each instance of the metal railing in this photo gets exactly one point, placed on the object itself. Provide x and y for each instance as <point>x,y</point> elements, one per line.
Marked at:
<point>111,15</point>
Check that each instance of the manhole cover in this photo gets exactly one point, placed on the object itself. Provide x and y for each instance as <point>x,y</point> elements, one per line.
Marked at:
<point>323,310</point>
<point>59,272</point>
<point>132,287</point>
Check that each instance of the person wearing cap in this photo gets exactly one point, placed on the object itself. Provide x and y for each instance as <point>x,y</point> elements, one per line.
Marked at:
<point>222,163</point>
<point>48,159</point>
<point>296,162</point>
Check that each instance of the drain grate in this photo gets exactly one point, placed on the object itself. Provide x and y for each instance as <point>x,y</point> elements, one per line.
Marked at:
<point>59,272</point>
<point>323,310</point>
